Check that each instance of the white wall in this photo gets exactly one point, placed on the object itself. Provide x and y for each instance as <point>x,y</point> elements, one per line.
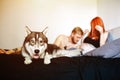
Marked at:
<point>109,10</point>
<point>61,16</point>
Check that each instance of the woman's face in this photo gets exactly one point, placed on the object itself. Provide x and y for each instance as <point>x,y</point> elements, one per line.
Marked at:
<point>99,28</point>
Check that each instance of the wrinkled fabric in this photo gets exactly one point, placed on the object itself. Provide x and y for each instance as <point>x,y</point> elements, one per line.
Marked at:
<point>12,67</point>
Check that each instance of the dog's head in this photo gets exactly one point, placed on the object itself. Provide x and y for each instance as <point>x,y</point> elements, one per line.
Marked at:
<point>35,43</point>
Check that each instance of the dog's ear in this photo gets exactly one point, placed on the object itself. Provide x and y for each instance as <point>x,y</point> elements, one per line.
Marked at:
<point>45,30</point>
<point>28,30</point>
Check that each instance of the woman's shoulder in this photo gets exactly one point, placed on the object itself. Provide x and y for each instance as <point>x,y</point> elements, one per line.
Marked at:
<point>87,39</point>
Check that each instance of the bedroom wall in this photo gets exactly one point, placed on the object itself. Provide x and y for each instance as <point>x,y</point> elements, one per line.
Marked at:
<point>61,16</point>
<point>109,10</point>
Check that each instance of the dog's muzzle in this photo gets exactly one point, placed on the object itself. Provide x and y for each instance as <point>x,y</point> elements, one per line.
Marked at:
<point>37,51</point>
<point>36,55</point>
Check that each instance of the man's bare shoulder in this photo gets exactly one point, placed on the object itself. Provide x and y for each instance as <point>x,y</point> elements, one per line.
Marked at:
<point>62,36</point>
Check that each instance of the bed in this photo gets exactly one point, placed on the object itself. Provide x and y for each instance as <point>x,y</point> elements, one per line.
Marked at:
<point>95,65</point>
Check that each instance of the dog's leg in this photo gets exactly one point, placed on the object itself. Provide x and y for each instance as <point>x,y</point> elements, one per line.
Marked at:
<point>47,58</point>
<point>27,60</point>
<point>27,57</point>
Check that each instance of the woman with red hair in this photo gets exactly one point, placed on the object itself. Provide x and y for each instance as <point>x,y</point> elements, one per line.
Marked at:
<point>97,35</point>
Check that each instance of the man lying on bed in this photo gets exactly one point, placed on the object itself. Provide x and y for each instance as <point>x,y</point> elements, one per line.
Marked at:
<point>67,42</point>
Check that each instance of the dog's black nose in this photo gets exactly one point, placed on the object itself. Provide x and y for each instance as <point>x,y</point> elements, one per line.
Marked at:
<point>36,51</point>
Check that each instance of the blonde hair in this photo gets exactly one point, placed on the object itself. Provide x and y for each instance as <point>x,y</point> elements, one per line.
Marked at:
<point>77,30</point>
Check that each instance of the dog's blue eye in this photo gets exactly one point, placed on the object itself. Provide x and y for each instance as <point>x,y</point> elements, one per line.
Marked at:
<point>32,42</point>
<point>41,41</point>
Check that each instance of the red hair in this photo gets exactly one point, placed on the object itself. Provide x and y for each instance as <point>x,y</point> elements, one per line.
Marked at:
<point>96,21</point>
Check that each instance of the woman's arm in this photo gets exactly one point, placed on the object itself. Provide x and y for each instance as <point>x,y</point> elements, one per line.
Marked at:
<point>103,38</point>
<point>103,35</point>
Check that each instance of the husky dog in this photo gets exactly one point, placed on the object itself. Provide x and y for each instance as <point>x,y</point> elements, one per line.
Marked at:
<point>36,46</point>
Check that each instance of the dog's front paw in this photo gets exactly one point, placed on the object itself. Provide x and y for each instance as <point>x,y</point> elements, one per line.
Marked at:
<point>47,61</point>
<point>28,61</point>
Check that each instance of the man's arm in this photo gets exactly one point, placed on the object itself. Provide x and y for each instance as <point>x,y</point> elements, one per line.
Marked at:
<point>58,41</point>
